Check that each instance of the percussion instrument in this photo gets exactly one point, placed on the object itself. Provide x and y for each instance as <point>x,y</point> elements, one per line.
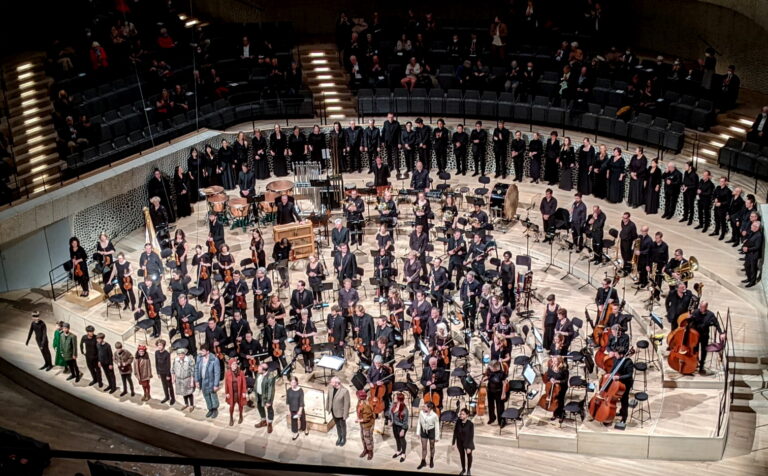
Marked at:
<point>239,207</point>
<point>276,189</point>
<point>217,203</point>
<point>348,189</point>
<point>213,190</point>
<point>381,189</point>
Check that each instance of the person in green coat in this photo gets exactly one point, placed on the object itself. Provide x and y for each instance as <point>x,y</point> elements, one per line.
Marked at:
<point>68,348</point>
<point>59,362</point>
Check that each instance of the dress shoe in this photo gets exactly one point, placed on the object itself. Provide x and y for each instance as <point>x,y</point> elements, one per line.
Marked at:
<point>79,376</point>
<point>745,281</point>
<point>124,392</point>
<point>71,377</point>
<point>365,452</point>
<point>173,402</point>
<point>750,284</point>
<point>208,415</point>
<point>698,227</point>
<point>722,237</point>
<point>343,442</point>
<point>43,367</point>
<point>164,400</point>
<point>215,413</point>
<point>682,220</point>
<point>113,390</point>
<point>269,427</point>
<point>370,455</point>
<point>431,462</point>
<point>101,385</point>
<point>240,419</point>
<point>395,455</point>
<point>704,230</point>
<point>232,422</point>
<point>714,233</point>
<point>421,465</point>
<point>735,244</point>
<point>261,424</point>
<point>461,473</point>
<point>475,174</point>
<point>48,368</point>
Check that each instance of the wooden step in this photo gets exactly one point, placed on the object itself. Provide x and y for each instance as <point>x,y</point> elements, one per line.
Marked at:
<point>17,98</point>
<point>23,142</point>
<point>19,122</point>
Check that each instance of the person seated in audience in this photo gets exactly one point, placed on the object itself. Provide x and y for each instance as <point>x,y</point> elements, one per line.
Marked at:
<point>88,131</point>
<point>161,70</point>
<point>759,131</point>
<point>164,106</point>
<point>464,74</point>
<point>377,77</point>
<point>293,79</point>
<point>403,46</point>
<point>371,48</point>
<point>247,51</point>
<point>276,77</point>
<point>99,61</point>
<point>69,136</point>
<point>412,72</point>
<point>266,52</point>
<point>179,99</point>
<point>455,49</point>
<point>480,75</point>
<point>356,76</point>
<point>165,42</point>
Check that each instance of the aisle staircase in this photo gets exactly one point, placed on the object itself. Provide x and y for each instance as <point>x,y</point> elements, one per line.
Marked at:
<point>750,392</point>
<point>38,165</point>
<point>328,81</point>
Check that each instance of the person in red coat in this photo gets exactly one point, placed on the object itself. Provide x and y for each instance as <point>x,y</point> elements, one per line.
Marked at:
<point>235,389</point>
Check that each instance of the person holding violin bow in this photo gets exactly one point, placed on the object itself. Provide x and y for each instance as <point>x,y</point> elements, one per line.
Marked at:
<point>383,330</point>
<point>185,315</point>
<point>216,340</point>
<point>564,327</point>
<point>476,256</point>
<point>122,272</point>
<point>362,330</point>
<point>274,337</point>
<point>237,329</point>
<point>180,251</point>
<point>262,288</point>
<point>152,297</point>
<point>418,241</point>
<point>382,349</point>
<point>438,283</point>
<point>236,291</point>
<point>348,299</point>
<point>469,291</point>
<point>276,309</point>
<point>396,308</point>
<point>305,339</point>
<point>380,390</point>
<point>105,256</point>
<point>301,300</point>
<point>383,271</point>
<point>501,352</point>
<point>556,386</point>
<point>215,233</point>
<point>226,263</point>
<point>258,256</point>
<point>420,310</point>
<point>412,270</point>
<point>216,303</point>
<point>702,319</point>
<point>337,330</point>
<point>79,261</point>
<point>434,379</point>
<point>457,250</point>
<point>203,262</point>
<point>250,355</point>
<point>440,344</point>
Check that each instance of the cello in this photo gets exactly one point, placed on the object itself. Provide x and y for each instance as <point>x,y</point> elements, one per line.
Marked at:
<point>548,400</point>
<point>377,393</point>
<point>682,343</point>
<point>602,406</point>
<point>434,397</point>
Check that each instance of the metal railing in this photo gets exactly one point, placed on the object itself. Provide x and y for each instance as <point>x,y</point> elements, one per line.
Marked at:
<point>729,375</point>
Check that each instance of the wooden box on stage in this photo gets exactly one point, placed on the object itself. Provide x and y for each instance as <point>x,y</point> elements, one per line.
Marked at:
<point>300,235</point>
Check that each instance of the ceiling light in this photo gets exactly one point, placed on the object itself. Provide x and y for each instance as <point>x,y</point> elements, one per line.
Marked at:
<point>330,93</point>
<point>336,116</point>
<point>191,23</point>
<point>332,100</point>
<point>333,108</point>
<point>182,17</point>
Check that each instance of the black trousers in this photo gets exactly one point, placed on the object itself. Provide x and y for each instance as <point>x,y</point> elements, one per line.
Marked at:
<point>643,278</point>
<point>410,159</point>
<point>400,441</point>
<point>127,382</point>
<point>519,161</point>
<point>438,300</point>
<point>670,203</point>
<point>508,293</point>
<point>110,375</point>
<point>167,386</point>
<point>353,159</point>
<point>500,154</point>
<point>689,197</point>
<point>466,458</point>
<point>624,411</point>
<point>721,224</point>
<point>459,267</point>
<point>750,263</point>
<point>425,156</point>
<point>702,347</point>
<point>393,156</point>
<point>441,156</point>
<point>309,359</point>
<point>94,369</point>
<point>131,296</point>
<point>705,212</point>
<point>341,428</point>
<point>461,161</point>
<point>72,366</point>
<point>597,247</point>
<point>479,160</point>
<point>578,236</point>
<point>356,231</point>
<point>549,335</point>
<point>495,406</point>
<point>735,231</point>
<point>470,313</point>
<point>298,423</point>
<point>46,352</point>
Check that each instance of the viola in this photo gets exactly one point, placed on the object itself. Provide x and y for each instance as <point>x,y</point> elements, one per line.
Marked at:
<point>548,400</point>
<point>215,314</point>
<point>228,275</point>
<point>276,350</point>
<point>253,365</point>
<point>394,321</point>
<point>127,283</point>
<point>217,351</point>
<point>79,273</point>
<point>416,326</point>
<point>240,301</point>
<point>682,342</point>
<point>204,272</point>
<point>433,397</point>
<point>107,260</point>
<point>306,344</point>
<point>187,329</point>
<point>446,356</point>
<point>331,339</point>
<point>254,254</point>
<point>358,344</point>
<point>212,247</point>
<point>151,311</point>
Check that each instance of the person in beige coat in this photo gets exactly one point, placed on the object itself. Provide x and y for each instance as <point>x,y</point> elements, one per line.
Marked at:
<point>337,404</point>
<point>143,368</point>
<point>124,361</point>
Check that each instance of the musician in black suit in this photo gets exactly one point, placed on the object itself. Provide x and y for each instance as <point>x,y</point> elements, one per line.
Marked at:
<point>339,235</point>
<point>548,207</point>
<point>457,249</point>
<point>476,256</point>
<point>702,319</point>
<point>578,221</point>
<point>677,302</point>
<point>348,298</point>
<point>434,379</point>
<point>408,144</point>
<point>353,140</point>
<point>423,142</point>
<point>301,299</point>
<point>733,215</point>
<point>337,329</point>
<point>518,155</point>
<point>500,147</point>
<point>705,190</point>
<point>470,289</point>
<point>383,270</point>
<point>753,247</point>
<point>353,212</point>
<point>420,177</point>
<point>460,139</point>
<point>440,139</point>
<point>246,181</point>
<point>643,254</point>
<point>596,229</point>
<point>722,200</point>
<point>380,172</point>
<point>371,143</point>
<point>440,280</point>
<point>286,211</point>
<point>151,293</point>
<point>249,349</point>
<point>274,333</point>
<point>390,133</point>
<point>606,292</point>
<point>216,336</point>
<point>659,254</point>
<point>262,288</point>
<point>215,230</point>
<point>478,138</point>
<point>238,328</point>
<point>237,287</point>
<point>689,188</point>
<point>673,180</point>
<point>345,264</point>
<point>624,372</point>
<point>362,327</point>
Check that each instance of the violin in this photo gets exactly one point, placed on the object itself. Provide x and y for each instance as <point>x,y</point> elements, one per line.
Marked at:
<point>682,342</point>
<point>276,350</point>
<point>446,356</point>
<point>151,311</point>
<point>78,271</point>
<point>212,247</point>
<point>416,326</point>
<point>228,275</point>
<point>187,329</point>
<point>306,344</point>
<point>395,323</point>
<point>254,254</point>
<point>253,365</point>
<point>217,351</point>
<point>548,400</point>
<point>215,314</point>
<point>107,260</point>
<point>358,344</point>
<point>240,301</point>
<point>204,272</point>
<point>127,283</point>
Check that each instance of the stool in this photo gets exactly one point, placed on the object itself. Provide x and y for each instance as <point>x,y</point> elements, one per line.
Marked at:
<point>117,300</point>
<point>513,414</point>
<point>642,408</point>
<point>644,352</point>
<point>457,394</point>
<point>642,367</point>
<point>572,409</point>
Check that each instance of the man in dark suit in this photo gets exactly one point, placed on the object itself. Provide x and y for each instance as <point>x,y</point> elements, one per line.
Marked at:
<point>759,131</point>
<point>286,211</point>
<point>500,146</point>
<point>729,89</point>
<point>391,136</point>
<point>353,139</point>
<point>596,229</point>
<point>673,180</point>
<point>677,303</point>
<point>578,220</point>
<point>753,247</point>
<point>478,139</point>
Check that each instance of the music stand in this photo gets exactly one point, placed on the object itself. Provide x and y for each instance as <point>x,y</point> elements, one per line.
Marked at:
<point>332,363</point>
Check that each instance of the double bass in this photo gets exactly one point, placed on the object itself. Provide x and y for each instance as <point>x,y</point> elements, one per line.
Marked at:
<point>608,309</point>
<point>682,343</point>
<point>602,406</point>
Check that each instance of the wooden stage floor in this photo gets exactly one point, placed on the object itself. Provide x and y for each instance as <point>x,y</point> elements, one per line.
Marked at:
<point>684,410</point>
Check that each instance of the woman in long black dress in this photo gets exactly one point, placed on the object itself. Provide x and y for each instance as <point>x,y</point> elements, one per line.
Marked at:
<point>194,174</point>
<point>79,264</point>
<point>105,255</point>
<point>567,162</point>
<point>240,149</point>
<point>258,256</point>
<point>535,150</point>
<point>181,186</point>
<point>297,145</point>
<point>599,186</point>
<point>638,166</point>
<point>181,250</point>
<point>616,170</point>
<point>586,158</point>
<point>210,175</point>
<point>278,144</point>
<point>315,276</point>
<point>316,144</point>
<point>337,147</point>
<point>260,165</point>
<point>652,187</point>
<point>225,164</point>
<point>551,154</point>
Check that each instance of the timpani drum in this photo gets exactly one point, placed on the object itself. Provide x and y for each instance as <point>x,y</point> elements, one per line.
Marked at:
<point>239,207</point>
<point>213,190</point>
<point>217,203</point>
<point>276,189</point>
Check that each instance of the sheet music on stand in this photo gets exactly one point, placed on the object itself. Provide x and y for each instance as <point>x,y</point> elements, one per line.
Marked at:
<point>332,363</point>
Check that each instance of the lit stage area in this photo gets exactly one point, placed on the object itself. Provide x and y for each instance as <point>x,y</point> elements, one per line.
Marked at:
<point>713,423</point>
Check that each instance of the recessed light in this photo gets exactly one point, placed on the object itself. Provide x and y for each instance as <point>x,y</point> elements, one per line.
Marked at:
<point>30,111</point>
<point>708,152</point>
<point>740,130</point>
<point>324,76</point>
<point>316,53</point>
<point>23,67</point>
<point>320,61</point>
<point>327,85</point>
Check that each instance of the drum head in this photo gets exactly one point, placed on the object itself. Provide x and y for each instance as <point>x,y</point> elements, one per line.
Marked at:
<point>280,186</point>
<point>238,202</point>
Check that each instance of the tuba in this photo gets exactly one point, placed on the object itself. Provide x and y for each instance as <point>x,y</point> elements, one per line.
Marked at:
<point>685,271</point>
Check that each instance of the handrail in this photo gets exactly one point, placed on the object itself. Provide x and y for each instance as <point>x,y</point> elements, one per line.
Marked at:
<point>729,375</point>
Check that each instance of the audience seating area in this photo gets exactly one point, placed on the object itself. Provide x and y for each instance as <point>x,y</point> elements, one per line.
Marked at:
<point>748,158</point>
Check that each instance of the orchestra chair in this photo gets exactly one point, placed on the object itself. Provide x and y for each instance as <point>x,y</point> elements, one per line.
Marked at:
<point>574,383</point>
<point>459,353</point>
<point>456,394</point>
<point>196,292</point>
<point>520,362</point>
<point>144,325</point>
<point>461,197</point>
<point>444,176</point>
<point>449,416</point>
<point>573,409</point>
<point>483,191</point>
<point>578,360</point>
<point>458,374</point>
<point>578,324</point>
<point>118,301</point>
<point>358,282</point>
<point>513,414</point>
